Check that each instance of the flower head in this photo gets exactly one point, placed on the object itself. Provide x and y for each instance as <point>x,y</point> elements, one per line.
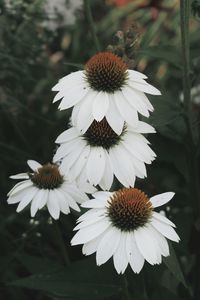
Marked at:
<point>99,153</point>
<point>105,89</point>
<point>45,186</point>
<point>124,225</point>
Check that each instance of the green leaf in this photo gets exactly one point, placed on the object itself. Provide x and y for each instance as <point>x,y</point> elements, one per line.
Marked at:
<point>173,265</point>
<point>81,280</point>
<point>165,53</point>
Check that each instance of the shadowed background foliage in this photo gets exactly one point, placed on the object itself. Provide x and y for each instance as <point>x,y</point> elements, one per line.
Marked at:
<point>39,43</point>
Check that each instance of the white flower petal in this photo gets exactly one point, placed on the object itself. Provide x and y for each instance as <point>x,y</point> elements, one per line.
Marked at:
<point>120,258</point>
<point>108,245</point>
<point>102,195</point>
<point>80,163</point>
<point>166,230</point>
<point>67,135</point>
<point>53,205</point>
<point>44,199</point>
<point>92,214</point>
<point>146,88</point>
<point>64,206</point>
<point>84,116</point>
<point>87,234</point>
<point>20,176</point>
<point>108,176</point>
<point>27,198</point>
<point>161,241</point>
<point>36,202</point>
<point>100,106</point>
<point>95,165</point>
<point>135,258</point>
<point>142,128</point>
<point>147,245</point>
<point>88,222</point>
<point>113,117</point>
<point>19,187</point>
<point>161,199</point>
<point>73,96</point>
<point>91,247</point>
<point>72,79</point>
<point>95,203</point>
<point>134,99</point>
<point>162,218</point>
<point>134,75</point>
<point>77,194</point>
<point>128,113</point>
<point>70,200</point>
<point>67,148</point>
<point>34,165</point>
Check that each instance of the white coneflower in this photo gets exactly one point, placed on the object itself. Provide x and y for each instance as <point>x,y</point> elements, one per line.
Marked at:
<point>99,153</point>
<point>45,186</point>
<point>124,225</point>
<point>106,88</point>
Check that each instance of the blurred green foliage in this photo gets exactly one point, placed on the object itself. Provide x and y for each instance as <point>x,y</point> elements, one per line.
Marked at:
<point>32,58</point>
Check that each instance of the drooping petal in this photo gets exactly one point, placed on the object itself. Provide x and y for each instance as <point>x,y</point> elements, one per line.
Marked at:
<point>95,165</point>
<point>108,245</point>
<point>120,258</point>
<point>113,117</point>
<point>27,198</point>
<point>166,230</point>
<point>100,106</point>
<point>162,218</point>
<point>135,258</point>
<point>53,205</point>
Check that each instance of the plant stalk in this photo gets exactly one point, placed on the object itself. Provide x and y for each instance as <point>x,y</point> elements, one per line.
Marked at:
<point>91,23</point>
<point>125,287</point>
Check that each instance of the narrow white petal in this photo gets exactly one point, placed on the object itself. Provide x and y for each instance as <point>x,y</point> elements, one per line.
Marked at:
<point>84,116</point>
<point>85,235</point>
<point>88,222</point>
<point>20,176</point>
<point>108,176</point>
<point>120,258</point>
<point>102,195</point>
<point>80,163</point>
<point>161,241</point>
<point>147,245</point>
<point>91,246</point>
<point>36,202</point>
<point>146,88</point>
<point>70,200</point>
<point>135,258</point>
<point>17,197</point>
<point>166,230</point>
<point>122,166</point>
<point>67,148</point>
<point>19,187</point>
<point>142,128</point>
<point>34,165</point>
<point>161,199</point>
<point>128,113</point>
<point>163,219</point>
<point>72,79</point>
<point>95,165</point>
<point>92,214</point>
<point>77,194</point>
<point>27,198</point>
<point>108,245</point>
<point>113,117</point>
<point>64,206</point>
<point>135,75</point>
<point>95,203</point>
<point>44,199</point>
<point>67,135</point>
<point>73,96</point>
<point>100,106</point>
<point>53,205</point>
<point>134,99</point>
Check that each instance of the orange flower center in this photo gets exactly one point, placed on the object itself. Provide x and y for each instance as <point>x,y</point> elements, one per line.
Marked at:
<point>106,72</point>
<point>47,177</point>
<point>129,209</point>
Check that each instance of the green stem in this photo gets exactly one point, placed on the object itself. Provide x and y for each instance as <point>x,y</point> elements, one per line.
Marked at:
<point>125,287</point>
<point>91,23</point>
<point>63,247</point>
<point>184,18</point>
